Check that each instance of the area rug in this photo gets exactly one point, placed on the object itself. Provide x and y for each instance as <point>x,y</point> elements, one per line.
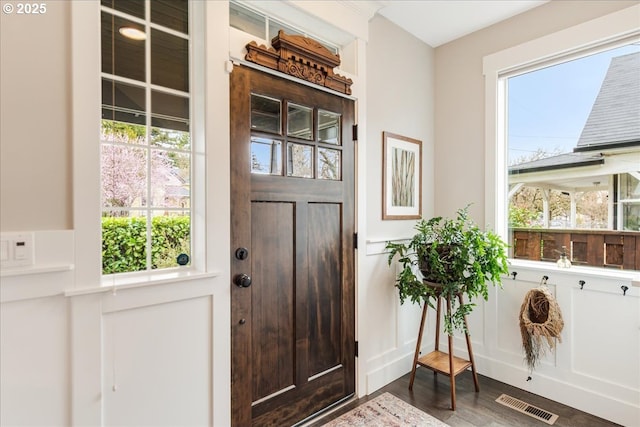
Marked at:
<point>386,410</point>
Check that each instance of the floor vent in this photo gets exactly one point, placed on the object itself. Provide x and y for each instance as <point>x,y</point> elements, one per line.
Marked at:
<point>525,408</point>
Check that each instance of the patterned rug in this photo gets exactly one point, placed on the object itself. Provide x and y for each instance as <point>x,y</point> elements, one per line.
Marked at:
<point>386,410</point>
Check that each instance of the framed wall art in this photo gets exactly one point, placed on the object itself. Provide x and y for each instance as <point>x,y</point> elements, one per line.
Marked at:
<point>401,177</point>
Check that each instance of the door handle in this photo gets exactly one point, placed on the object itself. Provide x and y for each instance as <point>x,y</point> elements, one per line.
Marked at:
<point>242,280</point>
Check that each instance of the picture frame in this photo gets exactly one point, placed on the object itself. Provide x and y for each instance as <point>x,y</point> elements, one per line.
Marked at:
<point>401,177</point>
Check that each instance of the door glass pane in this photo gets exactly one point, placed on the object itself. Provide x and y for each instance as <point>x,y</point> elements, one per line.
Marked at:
<point>266,156</point>
<point>328,127</point>
<point>299,121</point>
<point>121,56</point>
<point>169,61</point>
<point>299,160</point>
<point>328,164</point>
<point>265,114</point>
<point>173,14</point>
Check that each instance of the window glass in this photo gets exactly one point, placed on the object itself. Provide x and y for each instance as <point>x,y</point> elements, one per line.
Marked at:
<point>568,132</point>
<point>266,156</point>
<point>630,186</point>
<point>329,164</point>
<point>130,7</point>
<point>246,20</point>
<point>124,235</point>
<point>172,14</point>
<point>265,114</point>
<point>145,149</point>
<point>170,138</point>
<point>170,237</point>
<point>631,215</point>
<point>299,160</point>
<point>123,102</point>
<point>121,55</point>
<point>170,179</point>
<point>328,127</point>
<point>124,175</point>
<point>169,61</point>
<point>169,111</point>
<point>264,27</point>
<point>275,26</point>
<point>299,121</point>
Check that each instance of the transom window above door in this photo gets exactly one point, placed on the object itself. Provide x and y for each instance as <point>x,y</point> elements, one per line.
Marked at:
<point>306,140</point>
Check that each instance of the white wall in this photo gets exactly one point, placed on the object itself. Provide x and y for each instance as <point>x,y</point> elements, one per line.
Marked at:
<point>35,149</point>
<point>459,92</point>
<point>577,373</point>
<point>400,99</point>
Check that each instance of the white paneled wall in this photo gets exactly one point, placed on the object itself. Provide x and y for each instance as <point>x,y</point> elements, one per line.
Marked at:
<point>595,368</point>
<point>157,364</point>
<point>155,352</point>
<point>34,362</point>
<point>140,355</point>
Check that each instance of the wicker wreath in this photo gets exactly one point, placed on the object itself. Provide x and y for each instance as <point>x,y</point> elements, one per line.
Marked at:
<point>540,324</point>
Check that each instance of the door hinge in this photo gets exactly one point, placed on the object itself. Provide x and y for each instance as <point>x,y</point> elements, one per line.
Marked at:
<point>356,349</point>
<point>354,132</point>
<point>355,240</point>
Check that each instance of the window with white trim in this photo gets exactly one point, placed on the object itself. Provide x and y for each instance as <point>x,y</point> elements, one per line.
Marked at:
<point>256,23</point>
<point>146,135</point>
<point>581,200</point>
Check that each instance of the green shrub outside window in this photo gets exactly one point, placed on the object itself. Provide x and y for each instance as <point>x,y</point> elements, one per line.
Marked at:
<point>124,242</point>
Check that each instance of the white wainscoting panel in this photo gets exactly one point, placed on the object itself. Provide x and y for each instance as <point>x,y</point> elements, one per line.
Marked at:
<point>596,367</point>
<point>34,362</point>
<point>604,332</point>
<point>157,364</point>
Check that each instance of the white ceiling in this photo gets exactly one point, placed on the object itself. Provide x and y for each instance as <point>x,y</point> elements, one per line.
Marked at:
<point>440,21</point>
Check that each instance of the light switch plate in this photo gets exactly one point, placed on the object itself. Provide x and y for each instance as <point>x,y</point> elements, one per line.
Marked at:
<point>16,249</point>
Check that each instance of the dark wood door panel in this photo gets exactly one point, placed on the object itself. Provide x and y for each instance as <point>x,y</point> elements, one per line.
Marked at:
<point>273,290</point>
<point>325,286</point>
<point>270,188</point>
<point>293,329</point>
<point>296,404</point>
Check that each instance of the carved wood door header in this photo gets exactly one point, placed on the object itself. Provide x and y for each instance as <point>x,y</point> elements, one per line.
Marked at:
<point>300,57</point>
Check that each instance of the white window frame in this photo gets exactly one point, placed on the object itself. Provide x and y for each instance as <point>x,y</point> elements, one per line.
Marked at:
<point>609,31</point>
<point>86,101</point>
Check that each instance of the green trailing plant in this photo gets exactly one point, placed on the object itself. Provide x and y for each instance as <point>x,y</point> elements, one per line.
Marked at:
<point>447,257</point>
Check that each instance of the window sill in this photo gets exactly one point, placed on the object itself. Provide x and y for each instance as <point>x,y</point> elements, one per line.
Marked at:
<point>35,269</point>
<point>140,280</point>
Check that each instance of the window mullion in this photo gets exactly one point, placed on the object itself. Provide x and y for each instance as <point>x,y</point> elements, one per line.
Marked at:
<point>147,56</point>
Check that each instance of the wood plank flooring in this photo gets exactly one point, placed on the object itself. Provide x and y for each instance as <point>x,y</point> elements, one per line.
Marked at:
<point>431,394</point>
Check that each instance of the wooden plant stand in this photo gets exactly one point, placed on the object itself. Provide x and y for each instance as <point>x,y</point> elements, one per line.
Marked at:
<point>440,362</point>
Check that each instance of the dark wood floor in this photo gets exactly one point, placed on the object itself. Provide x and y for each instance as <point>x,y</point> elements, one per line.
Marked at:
<point>431,394</point>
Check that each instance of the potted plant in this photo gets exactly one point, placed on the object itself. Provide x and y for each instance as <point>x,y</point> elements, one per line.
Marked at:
<point>448,257</point>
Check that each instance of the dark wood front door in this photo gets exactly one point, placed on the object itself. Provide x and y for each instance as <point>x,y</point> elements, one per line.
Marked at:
<point>292,228</point>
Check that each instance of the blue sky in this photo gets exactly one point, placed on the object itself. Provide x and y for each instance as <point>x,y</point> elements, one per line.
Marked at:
<point>549,107</point>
